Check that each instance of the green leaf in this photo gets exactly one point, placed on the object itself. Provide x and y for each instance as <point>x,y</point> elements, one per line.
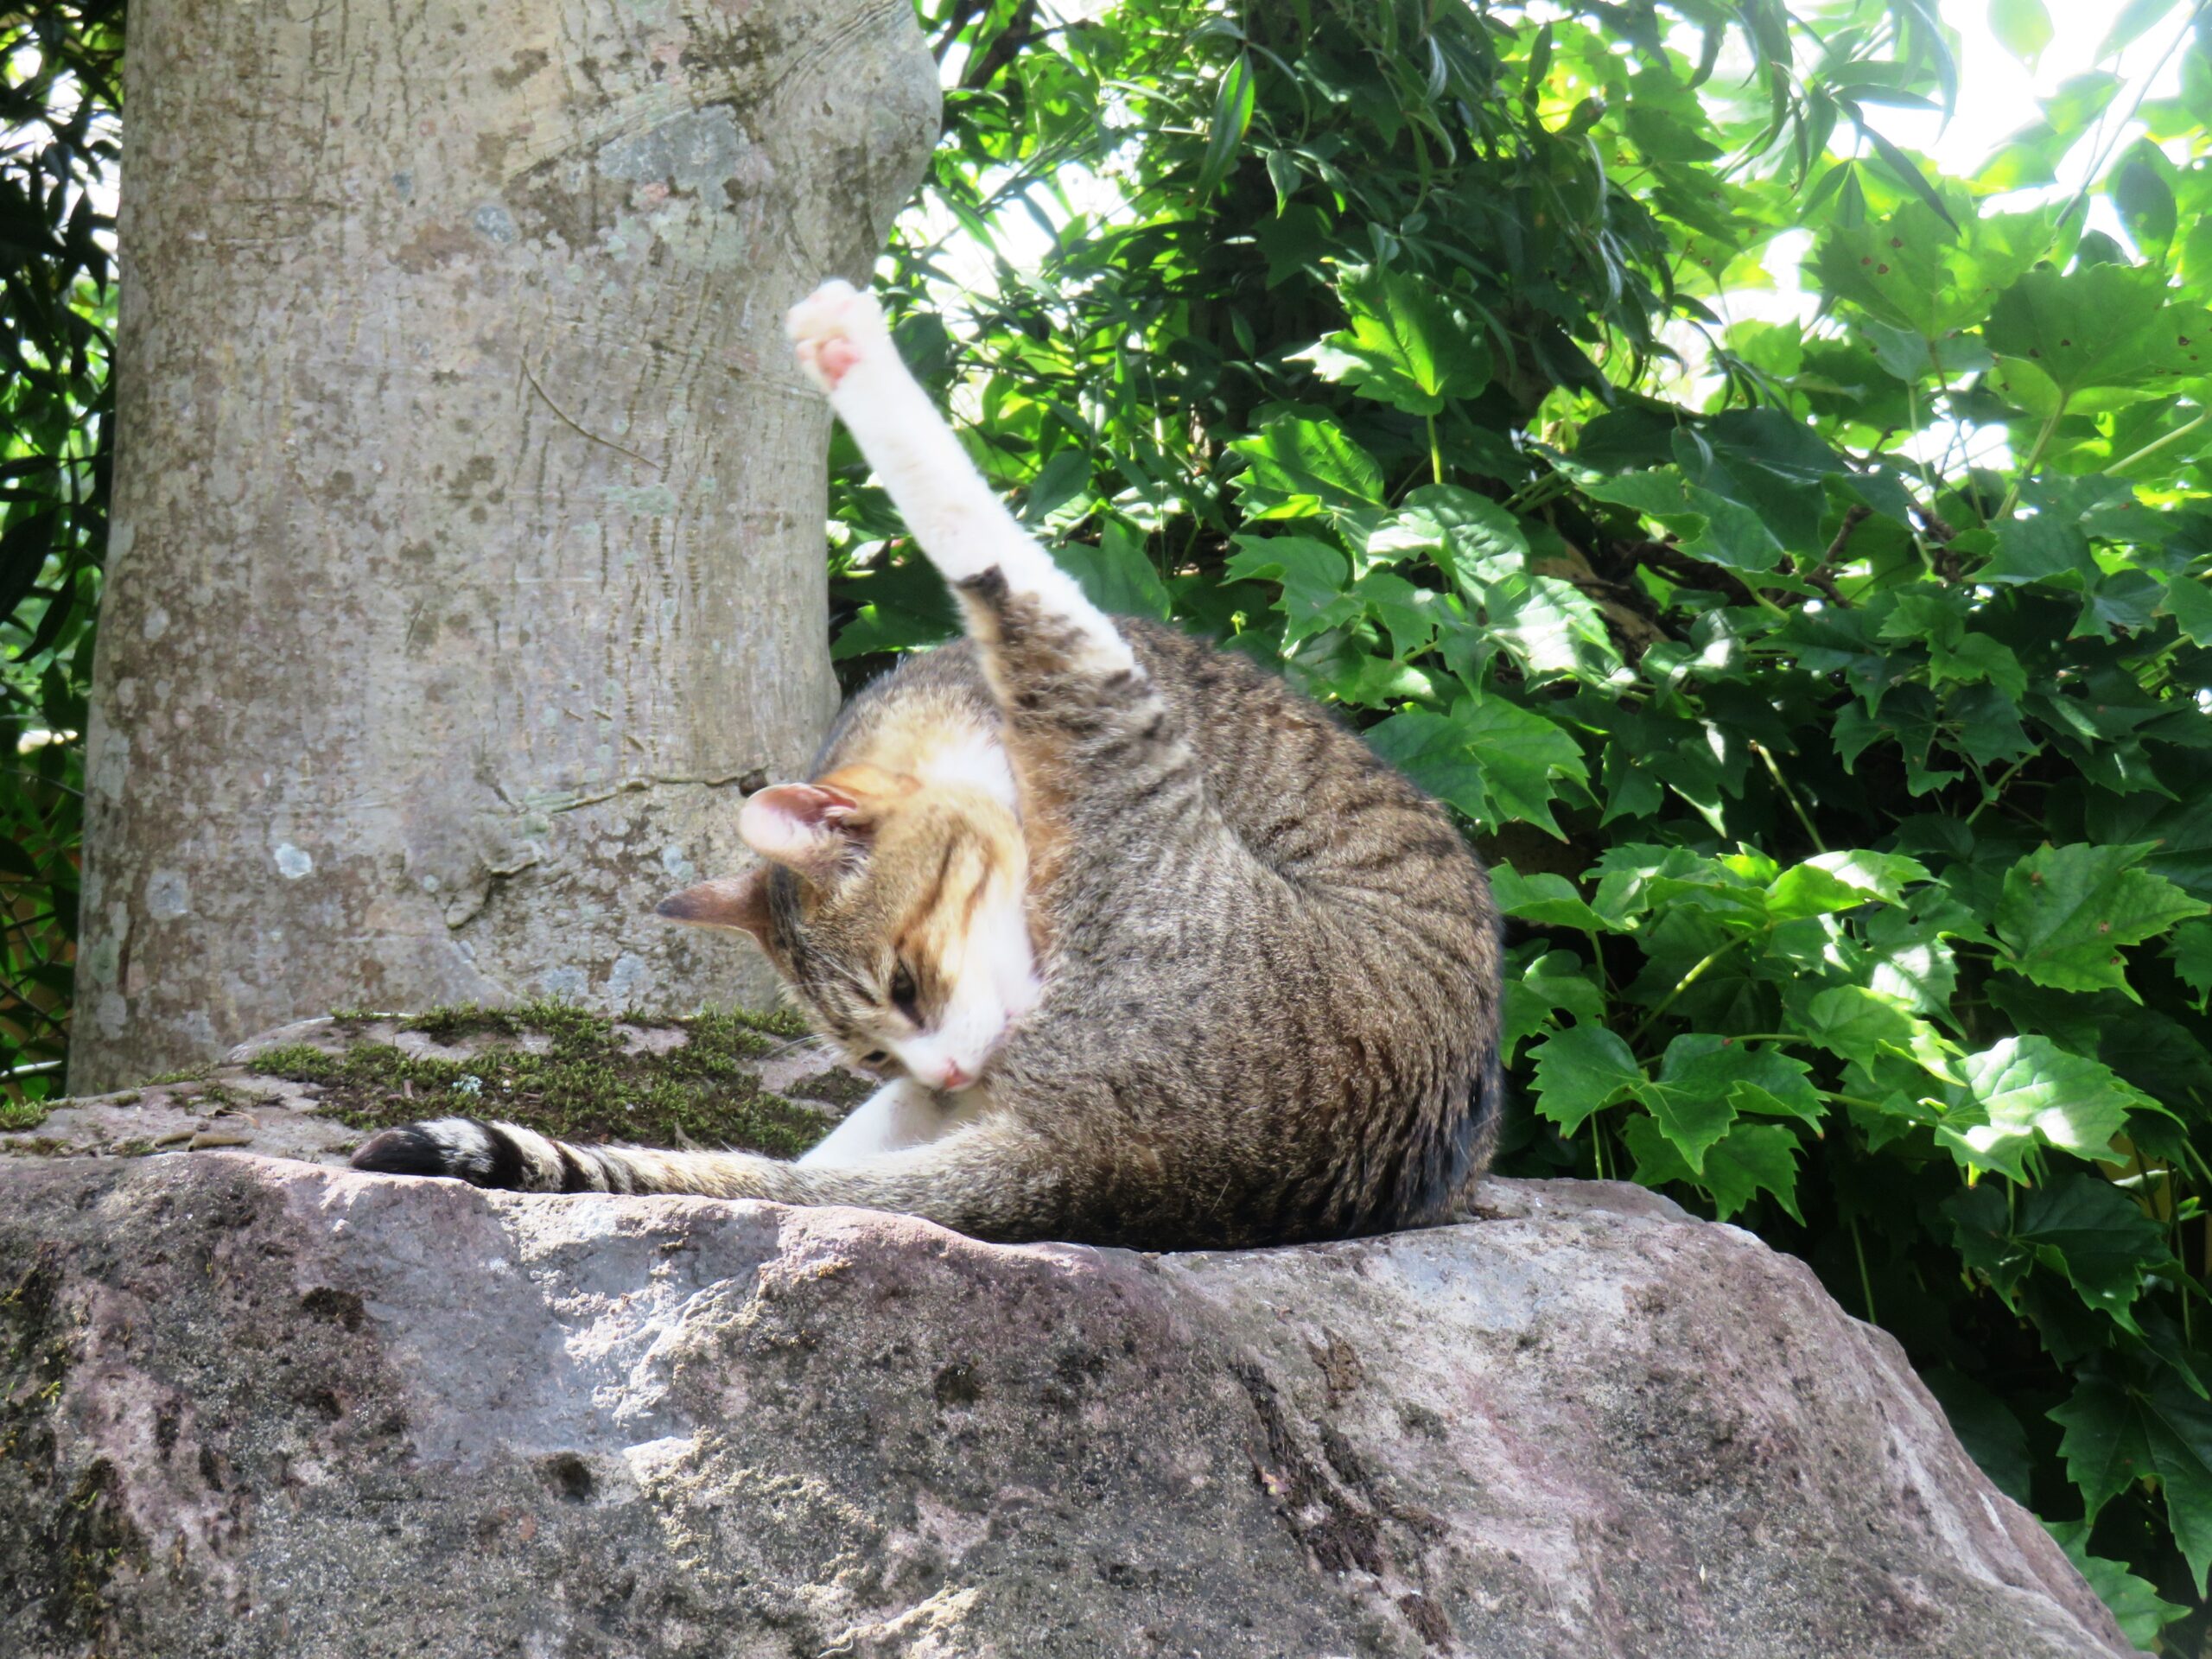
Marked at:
<point>1474,538</point>
<point>1834,881</point>
<point>1405,348</point>
<point>1712,528</point>
<point>1232,116</point>
<point>1751,1159</point>
<point>1908,961</point>
<point>2136,18</point>
<point>1914,271</point>
<point>2041,549</point>
<point>2189,601</point>
<point>2120,1433</point>
<point>1580,1072</point>
<point>2027,1090</point>
<point>1689,1101</point>
<point>2099,325</point>
<point>2141,190</point>
<point>1553,983</point>
<point>2135,1603</point>
<point>1547,899</point>
<point>1492,759</point>
<point>1293,456</point>
<point>1116,575</point>
<point>2022,26</point>
<point>1410,613</point>
<point>902,605</point>
<point>2066,912</point>
<point>1314,576</point>
<point>2190,947</point>
<point>1977,658</point>
<point>2085,1229</point>
<point>1856,1024</point>
<point>1550,628</point>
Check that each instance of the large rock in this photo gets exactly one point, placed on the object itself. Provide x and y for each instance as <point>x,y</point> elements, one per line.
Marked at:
<point>257,1408</point>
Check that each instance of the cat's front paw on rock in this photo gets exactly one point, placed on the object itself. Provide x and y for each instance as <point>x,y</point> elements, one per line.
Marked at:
<point>836,328</point>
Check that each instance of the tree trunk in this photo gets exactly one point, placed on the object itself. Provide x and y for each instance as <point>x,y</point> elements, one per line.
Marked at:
<point>467,553</point>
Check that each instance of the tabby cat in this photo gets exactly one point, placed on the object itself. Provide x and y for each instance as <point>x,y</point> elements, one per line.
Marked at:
<point>1149,950</point>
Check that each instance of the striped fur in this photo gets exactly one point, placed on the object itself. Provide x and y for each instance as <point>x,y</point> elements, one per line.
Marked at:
<point>1263,968</point>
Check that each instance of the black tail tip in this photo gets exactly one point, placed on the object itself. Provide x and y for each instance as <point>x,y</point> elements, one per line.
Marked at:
<point>406,1151</point>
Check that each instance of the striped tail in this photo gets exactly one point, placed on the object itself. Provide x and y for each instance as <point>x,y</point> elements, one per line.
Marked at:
<point>990,1179</point>
<point>511,1158</point>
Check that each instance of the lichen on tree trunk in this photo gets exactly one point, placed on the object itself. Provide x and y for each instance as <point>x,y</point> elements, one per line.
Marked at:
<point>467,557</point>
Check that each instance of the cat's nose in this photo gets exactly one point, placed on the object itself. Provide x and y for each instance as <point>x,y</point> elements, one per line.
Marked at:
<point>955,1075</point>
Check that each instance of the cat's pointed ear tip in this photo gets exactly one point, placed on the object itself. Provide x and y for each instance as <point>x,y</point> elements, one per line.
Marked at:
<point>740,902</point>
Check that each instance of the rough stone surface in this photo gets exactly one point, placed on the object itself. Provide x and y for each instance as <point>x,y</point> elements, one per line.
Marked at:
<point>253,1407</point>
<point>467,558</point>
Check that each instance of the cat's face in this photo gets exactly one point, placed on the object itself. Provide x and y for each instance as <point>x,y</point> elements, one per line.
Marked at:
<point>895,911</point>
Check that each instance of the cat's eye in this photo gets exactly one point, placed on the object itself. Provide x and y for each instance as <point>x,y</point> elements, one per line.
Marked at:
<point>873,1057</point>
<point>905,996</point>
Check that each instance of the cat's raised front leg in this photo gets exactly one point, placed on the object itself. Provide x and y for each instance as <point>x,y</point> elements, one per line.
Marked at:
<point>1088,732</point>
<point>842,340</point>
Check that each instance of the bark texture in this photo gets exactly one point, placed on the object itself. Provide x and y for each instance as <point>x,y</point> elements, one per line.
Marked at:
<point>467,557</point>
<point>257,1408</point>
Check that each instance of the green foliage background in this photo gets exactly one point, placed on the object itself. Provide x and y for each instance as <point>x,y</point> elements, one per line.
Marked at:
<point>60,81</point>
<point>1832,699</point>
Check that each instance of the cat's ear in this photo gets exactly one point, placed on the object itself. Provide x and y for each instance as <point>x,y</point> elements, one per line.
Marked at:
<point>811,829</point>
<point>741,902</point>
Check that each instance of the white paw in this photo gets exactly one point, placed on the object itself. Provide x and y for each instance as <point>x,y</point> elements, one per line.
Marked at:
<point>835,329</point>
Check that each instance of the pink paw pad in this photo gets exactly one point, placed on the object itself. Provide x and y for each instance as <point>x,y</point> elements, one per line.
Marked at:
<point>831,330</point>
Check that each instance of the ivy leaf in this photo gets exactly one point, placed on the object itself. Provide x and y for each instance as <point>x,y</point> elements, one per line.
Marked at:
<point>1493,759</point>
<point>2041,549</point>
<point>1834,881</point>
<point>1553,983</point>
<point>2099,325</point>
<point>1914,271</point>
<point>1908,961</point>
<point>1582,1070</point>
<point>2026,1090</point>
<point>1405,347</point>
<point>1751,1159</point>
<point>904,603</point>
<point>2191,950</point>
<point>1856,1024</point>
<point>2085,1229</point>
<point>1313,576</point>
<point>1116,575</point>
<point>2118,1432</point>
<point>1762,1081</point>
<point>1713,528</point>
<point>2189,601</point>
<point>1296,455</point>
<point>1547,900</point>
<point>1550,628</point>
<point>2135,1603</point>
<point>1471,537</point>
<point>1409,613</point>
<point>1976,659</point>
<point>2066,911</point>
<point>1690,1099</point>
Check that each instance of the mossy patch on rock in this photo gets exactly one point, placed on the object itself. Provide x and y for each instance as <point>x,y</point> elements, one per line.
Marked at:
<point>566,1072</point>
